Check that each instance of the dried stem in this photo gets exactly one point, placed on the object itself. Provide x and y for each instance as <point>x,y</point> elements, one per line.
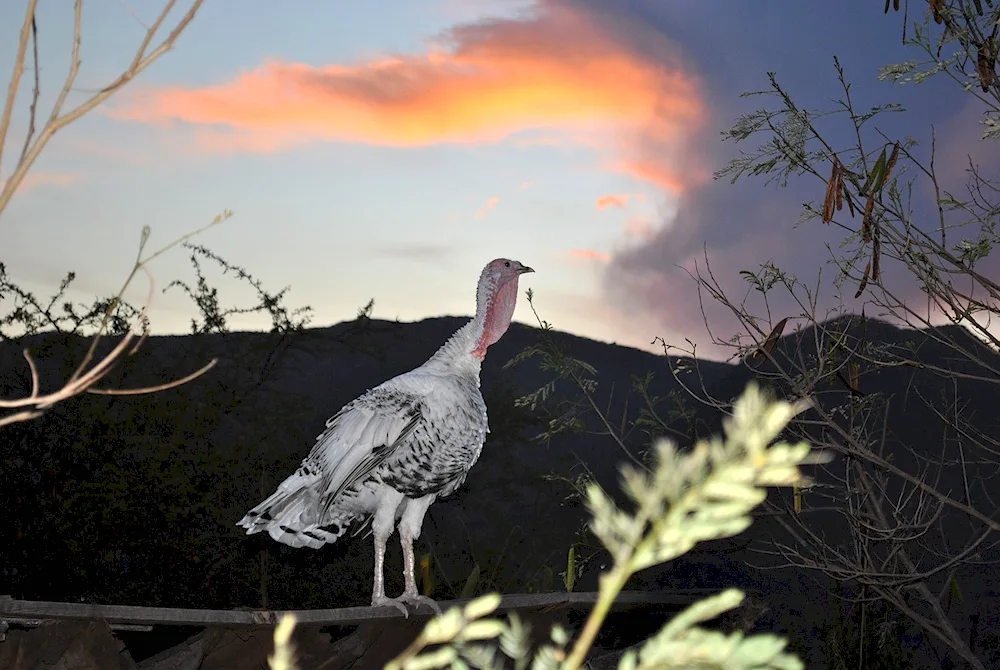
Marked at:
<point>15,79</point>
<point>58,119</point>
<point>36,402</point>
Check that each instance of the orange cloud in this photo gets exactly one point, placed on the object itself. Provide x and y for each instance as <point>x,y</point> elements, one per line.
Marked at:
<point>664,176</point>
<point>612,200</point>
<point>490,204</point>
<point>37,178</point>
<point>558,68</point>
<point>590,254</point>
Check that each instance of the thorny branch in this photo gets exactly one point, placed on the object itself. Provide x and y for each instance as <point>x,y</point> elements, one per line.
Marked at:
<point>905,545</point>
<point>35,404</point>
<point>85,375</point>
<point>879,556</point>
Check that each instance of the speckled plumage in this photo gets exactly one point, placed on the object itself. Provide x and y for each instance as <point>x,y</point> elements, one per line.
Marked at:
<point>389,454</point>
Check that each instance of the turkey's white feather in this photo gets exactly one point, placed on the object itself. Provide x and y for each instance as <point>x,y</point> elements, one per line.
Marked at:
<point>415,435</point>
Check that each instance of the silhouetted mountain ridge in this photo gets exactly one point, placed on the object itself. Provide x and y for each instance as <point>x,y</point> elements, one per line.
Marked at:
<point>144,491</point>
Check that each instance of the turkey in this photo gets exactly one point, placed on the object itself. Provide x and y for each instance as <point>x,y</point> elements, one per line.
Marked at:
<point>388,455</point>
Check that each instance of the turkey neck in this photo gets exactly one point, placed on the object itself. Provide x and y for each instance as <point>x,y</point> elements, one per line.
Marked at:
<point>494,310</point>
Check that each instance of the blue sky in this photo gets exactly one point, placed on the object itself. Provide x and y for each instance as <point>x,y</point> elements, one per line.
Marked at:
<point>389,150</point>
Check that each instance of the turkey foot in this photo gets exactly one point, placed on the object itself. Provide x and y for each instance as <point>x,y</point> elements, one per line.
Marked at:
<point>383,601</point>
<point>413,599</point>
<point>416,600</point>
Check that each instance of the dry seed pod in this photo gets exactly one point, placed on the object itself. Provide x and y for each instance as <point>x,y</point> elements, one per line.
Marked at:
<point>985,64</point>
<point>936,9</point>
<point>864,280</point>
<point>830,198</point>
<point>847,197</point>
<point>768,346</point>
<point>876,256</point>
<point>866,221</point>
<point>839,186</point>
<point>891,164</point>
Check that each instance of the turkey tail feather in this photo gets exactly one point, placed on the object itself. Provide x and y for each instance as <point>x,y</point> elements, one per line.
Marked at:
<point>288,515</point>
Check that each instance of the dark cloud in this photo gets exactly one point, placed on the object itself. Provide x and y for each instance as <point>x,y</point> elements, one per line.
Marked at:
<point>735,229</point>
<point>731,47</point>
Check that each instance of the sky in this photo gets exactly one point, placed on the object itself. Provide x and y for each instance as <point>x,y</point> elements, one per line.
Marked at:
<point>389,150</point>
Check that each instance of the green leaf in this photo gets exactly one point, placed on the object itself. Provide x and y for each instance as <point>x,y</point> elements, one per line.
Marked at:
<point>721,511</point>
<point>444,627</point>
<point>758,650</point>
<point>482,606</point>
<point>702,611</point>
<point>483,629</point>
<point>471,582</point>
<point>439,658</point>
<point>729,490</point>
<point>877,174</point>
<point>559,635</point>
<point>954,591</point>
<point>570,579</point>
<point>712,530</point>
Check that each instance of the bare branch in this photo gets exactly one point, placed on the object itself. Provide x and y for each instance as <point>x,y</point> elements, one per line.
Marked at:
<point>15,80</point>
<point>36,402</point>
<point>144,57</point>
<point>35,92</point>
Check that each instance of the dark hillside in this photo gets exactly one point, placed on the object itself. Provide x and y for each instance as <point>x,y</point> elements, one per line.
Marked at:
<point>133,500</point>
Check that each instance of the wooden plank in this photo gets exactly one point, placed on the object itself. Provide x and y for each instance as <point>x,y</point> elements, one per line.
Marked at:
<point>30,611</point>
<point>32,623</point>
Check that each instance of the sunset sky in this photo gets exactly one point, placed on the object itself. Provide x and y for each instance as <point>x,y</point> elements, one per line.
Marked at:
<point>389,150</point>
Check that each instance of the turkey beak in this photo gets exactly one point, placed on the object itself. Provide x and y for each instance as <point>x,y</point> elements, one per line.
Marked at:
<point>525,270</point>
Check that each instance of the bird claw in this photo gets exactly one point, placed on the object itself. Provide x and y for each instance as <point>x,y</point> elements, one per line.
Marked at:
<point>391,602</point>
<point>417,600</point>
<point>413,599</point>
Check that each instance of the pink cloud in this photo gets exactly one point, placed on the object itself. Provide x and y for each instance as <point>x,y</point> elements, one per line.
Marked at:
<point>959,142</point>
<point>486,208</point>
<point>612,200</point>
<point>590,255</point>
<point>37,178</point>
<point>555,69</point>
<point>661,174</point>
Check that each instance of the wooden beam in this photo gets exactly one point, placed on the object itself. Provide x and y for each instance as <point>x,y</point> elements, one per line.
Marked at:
<point>30,612</point>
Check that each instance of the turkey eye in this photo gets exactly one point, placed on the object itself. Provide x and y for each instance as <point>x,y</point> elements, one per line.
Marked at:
<point>506,264</point>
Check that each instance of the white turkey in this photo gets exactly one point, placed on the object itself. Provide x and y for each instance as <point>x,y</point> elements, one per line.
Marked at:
<point>389,454</point>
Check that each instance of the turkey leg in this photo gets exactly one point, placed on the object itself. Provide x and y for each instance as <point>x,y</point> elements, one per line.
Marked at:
<point>382,524</point>
<point>409,530</point>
